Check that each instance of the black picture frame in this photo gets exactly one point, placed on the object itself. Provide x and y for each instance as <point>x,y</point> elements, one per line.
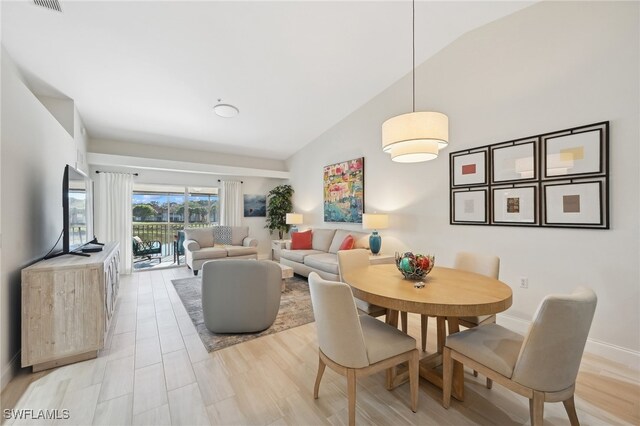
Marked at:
<point>460,214</point>
<point>528,169</point>
<point>590,201</point>
<point>529,204</point>
<point>469,168</point>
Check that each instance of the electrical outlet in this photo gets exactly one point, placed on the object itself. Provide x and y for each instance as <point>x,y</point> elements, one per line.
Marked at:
<point>524,282</point>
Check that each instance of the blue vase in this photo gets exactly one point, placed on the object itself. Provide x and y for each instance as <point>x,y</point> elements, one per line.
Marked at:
<point>375,242</point>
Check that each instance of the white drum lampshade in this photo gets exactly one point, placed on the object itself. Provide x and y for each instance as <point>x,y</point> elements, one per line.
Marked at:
<point>415,136</point>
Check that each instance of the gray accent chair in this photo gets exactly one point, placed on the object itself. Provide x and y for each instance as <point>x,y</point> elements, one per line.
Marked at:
<point>542,366</point>
<point>352,259</point>
<point>240,295</point>
<point>354,345</point>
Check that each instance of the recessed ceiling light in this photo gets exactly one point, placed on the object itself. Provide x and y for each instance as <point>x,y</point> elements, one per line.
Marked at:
<point>226,110</point>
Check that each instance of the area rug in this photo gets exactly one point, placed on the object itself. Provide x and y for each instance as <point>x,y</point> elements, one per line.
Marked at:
<point>295,310</point>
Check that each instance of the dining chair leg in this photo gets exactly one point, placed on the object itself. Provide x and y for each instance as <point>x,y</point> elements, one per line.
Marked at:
<point>414,377</point>
<point>351,395</point>
<point>424,322</point>
<point>536,408</point>
<point>405,325</point>
<point>447,377</point>
<point>316,387</point>
<point>570,407</point>
<point>489,383</point>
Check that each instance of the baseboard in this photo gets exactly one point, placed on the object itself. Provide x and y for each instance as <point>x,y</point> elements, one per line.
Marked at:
<point>10,372</point>
<point>624,356</point>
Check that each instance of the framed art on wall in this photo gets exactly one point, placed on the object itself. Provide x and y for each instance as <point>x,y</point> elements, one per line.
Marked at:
<point>469,206</point>
<point>575,204</point>
<point>515,205</point>
<point>575,152</point>
<point>469,168</point>
<point>514,161</point>
<point>343,187</point>
<point>255,205</point>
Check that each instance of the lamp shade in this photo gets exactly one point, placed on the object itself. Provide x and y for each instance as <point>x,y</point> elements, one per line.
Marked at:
<point>411,137</point>
<point>375,221</point>
<point>293,219</point>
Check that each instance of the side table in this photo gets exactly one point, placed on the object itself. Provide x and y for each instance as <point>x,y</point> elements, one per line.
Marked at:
<point>276,247</point>
<point>381,258</point>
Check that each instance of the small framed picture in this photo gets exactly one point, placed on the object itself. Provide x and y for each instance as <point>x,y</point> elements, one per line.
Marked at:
<point>576,152</point>
<point>469,206</point>
<point>576,204</point>
<point>515,205</point>
<point>514,161</point>
<point>469,168</point>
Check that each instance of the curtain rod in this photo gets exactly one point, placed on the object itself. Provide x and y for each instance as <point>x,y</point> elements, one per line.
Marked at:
<point>101,171</point>
<point>236,181</point>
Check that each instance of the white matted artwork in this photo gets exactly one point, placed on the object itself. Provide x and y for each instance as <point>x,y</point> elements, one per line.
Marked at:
<point>514,205</point>
<point>470,206</point>
<point>574,203</point>
<point>470,169</point>
<point>574,154</point>
<point>515,162</point>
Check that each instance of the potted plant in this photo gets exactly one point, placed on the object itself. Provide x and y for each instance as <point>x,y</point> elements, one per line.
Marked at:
<point>278,205</point>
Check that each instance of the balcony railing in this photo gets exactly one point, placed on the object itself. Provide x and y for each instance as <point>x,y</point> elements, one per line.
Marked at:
<point>163,232</point>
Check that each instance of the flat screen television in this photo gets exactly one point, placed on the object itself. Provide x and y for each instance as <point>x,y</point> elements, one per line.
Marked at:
<point>77,210</point>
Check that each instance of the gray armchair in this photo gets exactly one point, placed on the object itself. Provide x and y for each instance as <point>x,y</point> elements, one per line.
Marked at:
<point>541,366</point>
<point>240,295</point>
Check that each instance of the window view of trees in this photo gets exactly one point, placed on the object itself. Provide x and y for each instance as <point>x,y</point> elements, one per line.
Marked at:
<point>170,207</point>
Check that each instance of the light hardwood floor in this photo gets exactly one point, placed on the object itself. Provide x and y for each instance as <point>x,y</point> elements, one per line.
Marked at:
<point>155,371</point>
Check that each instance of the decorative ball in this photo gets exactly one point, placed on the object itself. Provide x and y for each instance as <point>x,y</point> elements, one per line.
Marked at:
<point>414,266</point>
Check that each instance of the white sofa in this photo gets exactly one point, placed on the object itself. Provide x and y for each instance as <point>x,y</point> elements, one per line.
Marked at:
<point>218,242</point>
<point>322,258</point>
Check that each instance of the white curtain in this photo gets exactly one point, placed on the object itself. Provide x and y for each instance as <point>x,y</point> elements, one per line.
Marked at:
<point>231,203</point>
<point>113,214</point>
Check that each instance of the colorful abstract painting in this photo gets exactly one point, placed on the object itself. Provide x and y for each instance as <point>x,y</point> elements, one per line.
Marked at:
<point>255,205</point>
<point>344,191</point>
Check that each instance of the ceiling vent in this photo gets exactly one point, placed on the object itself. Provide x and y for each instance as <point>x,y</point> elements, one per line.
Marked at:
<point>49,4</point>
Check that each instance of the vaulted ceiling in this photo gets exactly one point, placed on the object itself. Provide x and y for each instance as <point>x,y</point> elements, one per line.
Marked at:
<point>150,72</point>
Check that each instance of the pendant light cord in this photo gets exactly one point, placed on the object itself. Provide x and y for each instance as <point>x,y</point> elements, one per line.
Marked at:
<point>413,37</point>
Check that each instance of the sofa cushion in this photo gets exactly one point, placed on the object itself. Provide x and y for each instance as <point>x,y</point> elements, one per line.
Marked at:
<point>202,236</point>
<point>301,240</point>
<point>348,243</point>
<point>240,250</point>
<point>297,255</point>
<point>209,253</point>
<point>239,233</point>
<point>361,240</point>
<point>326,262</point>
<point>322,239</point>
<point>222,234</point>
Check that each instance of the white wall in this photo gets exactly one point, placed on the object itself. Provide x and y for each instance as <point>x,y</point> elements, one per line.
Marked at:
<point>35,149</point>
<point>251,185</point>
<point>549,67</point>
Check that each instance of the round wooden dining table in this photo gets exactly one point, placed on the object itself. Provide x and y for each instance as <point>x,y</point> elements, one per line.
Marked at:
<point>447,294</point>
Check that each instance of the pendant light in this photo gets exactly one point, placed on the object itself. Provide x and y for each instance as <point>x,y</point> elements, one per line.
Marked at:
<point>416,136</point>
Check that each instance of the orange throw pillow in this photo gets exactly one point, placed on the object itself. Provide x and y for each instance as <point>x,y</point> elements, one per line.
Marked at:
<point>301,240</point>
<point>347,243</point>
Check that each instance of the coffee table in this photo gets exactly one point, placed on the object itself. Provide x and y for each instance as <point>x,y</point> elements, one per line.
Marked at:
<point>287,272</point>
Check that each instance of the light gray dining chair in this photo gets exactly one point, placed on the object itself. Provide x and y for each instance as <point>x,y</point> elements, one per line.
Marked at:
<point>349,260</point>
<point>542,366</point>
<point>240,295</point>
<point>357,345</point>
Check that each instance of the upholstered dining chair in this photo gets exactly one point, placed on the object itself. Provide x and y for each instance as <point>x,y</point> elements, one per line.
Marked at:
<point>352,259</point>
<point>542,365</point>
<point>357,345</point>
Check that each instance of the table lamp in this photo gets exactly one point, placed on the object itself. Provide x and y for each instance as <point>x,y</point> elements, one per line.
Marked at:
<point>375,221</point>
<point>293,219</point>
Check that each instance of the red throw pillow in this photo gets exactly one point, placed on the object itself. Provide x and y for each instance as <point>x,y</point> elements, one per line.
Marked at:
<point>347,243</point>
<point>301,240</point>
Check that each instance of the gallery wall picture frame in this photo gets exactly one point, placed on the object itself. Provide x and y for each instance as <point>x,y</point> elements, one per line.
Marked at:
<point>470,206</point>
<point>577,152</point>
<point>515,161</point>
<point>576,203</point>
<point>343,188</point>
<point>515,205</point>
<point>469,168</point>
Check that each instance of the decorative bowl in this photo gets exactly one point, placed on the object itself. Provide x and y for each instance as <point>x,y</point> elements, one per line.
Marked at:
<point>414,266</point>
